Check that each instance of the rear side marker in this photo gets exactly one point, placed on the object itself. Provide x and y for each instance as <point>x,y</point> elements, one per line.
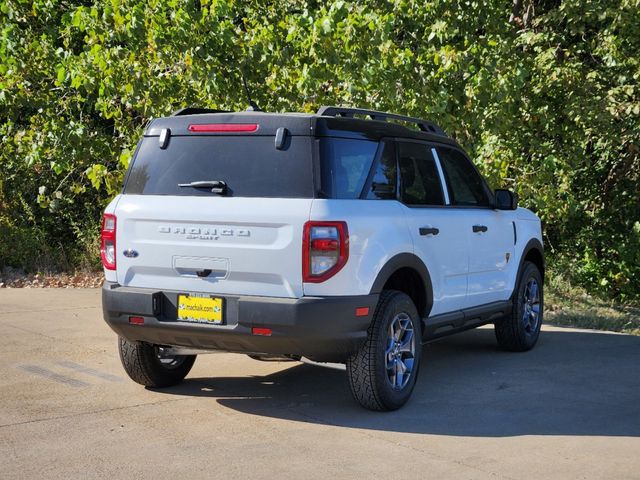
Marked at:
<point>265,332</point>
<point>362,311</point>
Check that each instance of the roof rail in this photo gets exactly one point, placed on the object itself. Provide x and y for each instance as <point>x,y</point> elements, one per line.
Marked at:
<point>423,125</point>
<point>195,111</point>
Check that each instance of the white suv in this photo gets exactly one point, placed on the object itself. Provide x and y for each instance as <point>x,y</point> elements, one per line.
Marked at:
<point>328,236</point>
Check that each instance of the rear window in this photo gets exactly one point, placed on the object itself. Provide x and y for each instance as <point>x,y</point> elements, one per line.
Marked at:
<point>345,165</point>
<point>250,166</point>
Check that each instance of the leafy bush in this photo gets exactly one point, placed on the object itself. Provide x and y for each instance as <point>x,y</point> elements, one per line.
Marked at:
<point>543,94</point>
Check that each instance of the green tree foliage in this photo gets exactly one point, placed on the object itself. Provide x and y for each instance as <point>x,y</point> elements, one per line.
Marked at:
<point>544,94</point>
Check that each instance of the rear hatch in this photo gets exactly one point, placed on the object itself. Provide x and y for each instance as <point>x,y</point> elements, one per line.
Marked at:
<point>244,238</point>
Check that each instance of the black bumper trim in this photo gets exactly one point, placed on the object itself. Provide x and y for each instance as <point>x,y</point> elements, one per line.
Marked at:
<point>320,328</point>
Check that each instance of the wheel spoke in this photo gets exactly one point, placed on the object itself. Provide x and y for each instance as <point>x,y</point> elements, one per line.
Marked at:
<point>407,342</point>
<point>401,366</point>
<point>391,371</point>
<point>399,374</point>
<point>398,331</point>
<point>409,363</point>
<point>533,291</point>
<point>390,345</point>
<point>391,363</point>
<point>392,332</point>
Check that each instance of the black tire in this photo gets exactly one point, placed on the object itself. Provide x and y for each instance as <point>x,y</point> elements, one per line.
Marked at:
<point>143,364</point>
<point>514,332</point>
<point>367,368</point>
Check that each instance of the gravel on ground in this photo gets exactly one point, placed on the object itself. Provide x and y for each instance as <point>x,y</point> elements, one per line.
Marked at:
<point>17,278</point>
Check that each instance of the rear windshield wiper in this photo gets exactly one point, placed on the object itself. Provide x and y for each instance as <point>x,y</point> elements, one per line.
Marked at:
<point>216,186</point>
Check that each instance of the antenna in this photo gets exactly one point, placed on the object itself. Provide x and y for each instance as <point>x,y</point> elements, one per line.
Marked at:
<point>253,106</point>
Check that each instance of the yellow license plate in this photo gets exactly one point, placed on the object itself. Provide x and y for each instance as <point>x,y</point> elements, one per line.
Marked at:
<point>192,308</point>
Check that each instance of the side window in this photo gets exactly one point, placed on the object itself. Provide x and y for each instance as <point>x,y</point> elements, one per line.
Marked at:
<point>345,165</point>
<point>383,183</point>
<point>466,186</point>
<point>420,183</point>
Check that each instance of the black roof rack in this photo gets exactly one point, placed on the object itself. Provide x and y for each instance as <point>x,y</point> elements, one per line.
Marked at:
<point>195,111</point>
<point>423,125</point>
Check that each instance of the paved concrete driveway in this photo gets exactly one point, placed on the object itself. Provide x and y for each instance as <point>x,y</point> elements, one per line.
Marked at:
<point>569,409</point>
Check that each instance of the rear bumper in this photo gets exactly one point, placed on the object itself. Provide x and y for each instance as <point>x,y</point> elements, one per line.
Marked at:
<point>320,328</point>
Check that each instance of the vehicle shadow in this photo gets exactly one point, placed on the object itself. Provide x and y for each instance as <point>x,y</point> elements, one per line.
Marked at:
<point>572,383</point>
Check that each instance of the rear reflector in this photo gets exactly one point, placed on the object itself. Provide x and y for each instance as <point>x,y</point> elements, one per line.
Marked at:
<point>325,244</point>
<point>223,127</point>
<point>362,311</point>
<point>261,331</point>
<point>136,320</point>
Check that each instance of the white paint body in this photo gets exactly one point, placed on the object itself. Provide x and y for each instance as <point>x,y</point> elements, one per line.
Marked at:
<point>253,246</point>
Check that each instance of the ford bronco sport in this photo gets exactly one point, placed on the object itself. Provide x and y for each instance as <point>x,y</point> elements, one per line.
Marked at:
<point>342,236</point>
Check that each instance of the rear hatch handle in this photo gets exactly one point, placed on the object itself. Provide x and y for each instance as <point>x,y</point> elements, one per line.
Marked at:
<point>202,267</point>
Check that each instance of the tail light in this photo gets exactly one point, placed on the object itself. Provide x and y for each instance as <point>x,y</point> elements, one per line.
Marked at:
<point>108,241</point>
<point>325,250</point>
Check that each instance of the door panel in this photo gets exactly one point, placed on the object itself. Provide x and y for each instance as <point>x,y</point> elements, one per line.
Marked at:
<point>491,257</point>
<point>489,232</point>
<point>438,236</point>
<point>444,254</point>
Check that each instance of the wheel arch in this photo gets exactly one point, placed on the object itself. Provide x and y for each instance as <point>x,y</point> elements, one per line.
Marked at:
<point>532,252</point>
<point>408,273</point>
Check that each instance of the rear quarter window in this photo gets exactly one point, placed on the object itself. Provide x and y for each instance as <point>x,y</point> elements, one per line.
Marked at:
<point>345,166</point>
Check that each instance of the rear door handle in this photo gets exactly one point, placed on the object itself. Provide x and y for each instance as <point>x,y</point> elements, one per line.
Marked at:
<point>479,228</point>
<point>429,231</point>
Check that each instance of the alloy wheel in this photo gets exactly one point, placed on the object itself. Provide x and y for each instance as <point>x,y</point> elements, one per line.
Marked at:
<point>531,306</point>
<point>401,351</point>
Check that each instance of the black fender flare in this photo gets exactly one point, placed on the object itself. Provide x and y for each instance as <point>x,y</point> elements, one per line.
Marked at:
<point>533,244</point>
<point>405,260</point>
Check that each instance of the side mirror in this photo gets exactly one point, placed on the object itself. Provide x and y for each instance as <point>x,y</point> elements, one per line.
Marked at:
<point>505,200</point>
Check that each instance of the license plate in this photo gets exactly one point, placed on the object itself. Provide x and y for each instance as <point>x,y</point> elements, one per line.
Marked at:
<point>200,309</point>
